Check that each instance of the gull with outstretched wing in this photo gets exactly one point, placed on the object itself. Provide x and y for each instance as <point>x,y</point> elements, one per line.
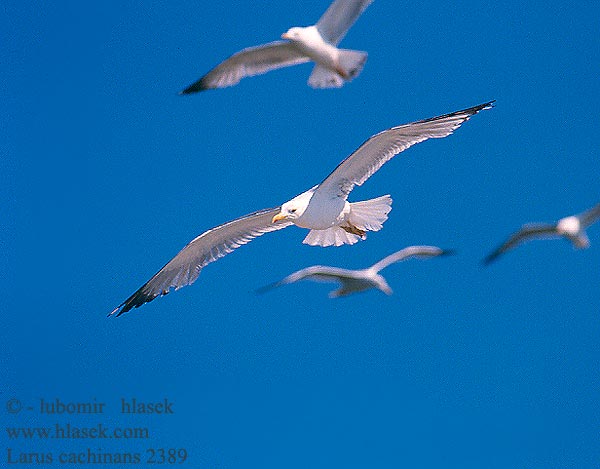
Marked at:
<point>323,209</point>
<point>316,43</point>
<point>572,228</point>
<point>354,281</point>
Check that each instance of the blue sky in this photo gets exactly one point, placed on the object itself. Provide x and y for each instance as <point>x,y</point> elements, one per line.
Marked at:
<point>106,173</point>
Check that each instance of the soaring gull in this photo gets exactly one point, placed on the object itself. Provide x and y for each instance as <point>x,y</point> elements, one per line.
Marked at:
<point>572,228</point>
<point>318,43</point>
<point>323,209</point>
<point>353,281</point>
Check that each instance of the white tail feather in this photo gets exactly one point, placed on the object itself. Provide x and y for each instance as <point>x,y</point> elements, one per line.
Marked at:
<point>322,77</point>
<point>369,215</point>
<point>581,241</point>
<point>351,63</point>
<point>334,236</point>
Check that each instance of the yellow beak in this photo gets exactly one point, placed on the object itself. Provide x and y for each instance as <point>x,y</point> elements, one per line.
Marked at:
<point>285,36</point>
<point>280,216</point>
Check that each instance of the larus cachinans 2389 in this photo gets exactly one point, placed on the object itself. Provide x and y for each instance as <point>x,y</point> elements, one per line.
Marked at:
<point>323,209</point>
<point>317,43</point>
<point>572,228</point>
<point>354,281</point>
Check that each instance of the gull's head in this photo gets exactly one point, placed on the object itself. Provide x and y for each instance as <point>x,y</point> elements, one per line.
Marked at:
<point>289,211</point>
<point>293,34</point>
<point>569,226</point>
<point>293,209</point>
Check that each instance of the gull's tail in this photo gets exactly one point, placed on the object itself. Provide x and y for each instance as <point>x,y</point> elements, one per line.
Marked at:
<point>369,215</point>
<point>350,64</point>
<point>580,241</point>
<point>334,236</point>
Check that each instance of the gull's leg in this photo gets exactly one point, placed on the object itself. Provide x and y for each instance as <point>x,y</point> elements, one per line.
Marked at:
<point>354,230</point>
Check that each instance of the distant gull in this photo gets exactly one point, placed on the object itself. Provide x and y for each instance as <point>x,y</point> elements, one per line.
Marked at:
<point>353,281</point>
<point>317,43</point>
<point>323,209</point>
<point>572,228</point>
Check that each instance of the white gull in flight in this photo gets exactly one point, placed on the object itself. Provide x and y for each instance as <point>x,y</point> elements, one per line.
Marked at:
<point>354,281</point>
<point>315,43</point>
<point>572,228</point>
<point>323,209</point>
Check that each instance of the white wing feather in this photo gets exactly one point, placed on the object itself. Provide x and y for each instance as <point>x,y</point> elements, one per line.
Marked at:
<point>526,232</point>
<point>211,245</point>
<point>406,253</point>
<point>249,62</point>
<point>382,147</point>
<point>319,273</point>
<point>339,17</point>
<point>590,216</point>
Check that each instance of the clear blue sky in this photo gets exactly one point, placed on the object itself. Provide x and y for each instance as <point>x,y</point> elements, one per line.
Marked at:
<point>106,173</point>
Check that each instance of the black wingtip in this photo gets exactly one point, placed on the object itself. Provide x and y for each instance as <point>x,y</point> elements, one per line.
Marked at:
<point>476,109</point>
<point>196,87</point>
<point>266,288</point>
<point>139,298</point>
<point>490,259</point>
<point>482,107</point>
<point>448,252</point>
<point>187,91</point>
<point>117,311</point>
<point>134,301</point>
<point>470,112</point>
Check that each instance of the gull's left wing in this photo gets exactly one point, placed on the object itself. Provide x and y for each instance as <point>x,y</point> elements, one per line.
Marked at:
<point>590,216</point>
<point>382,147</point>
<point>339,17</point>
<point>319,273</point>
<point>526,232</point>
<point>211,245</point>
<point>248,62</point>
<point>406,253</point>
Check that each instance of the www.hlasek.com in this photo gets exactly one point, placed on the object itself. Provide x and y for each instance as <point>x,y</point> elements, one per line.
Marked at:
<point>68,431</point>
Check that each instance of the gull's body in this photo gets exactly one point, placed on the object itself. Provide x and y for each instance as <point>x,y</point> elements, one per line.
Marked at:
<point>316,43</point>
<point>354,281</point>
<point>572,228</point>
<point>323,209</point>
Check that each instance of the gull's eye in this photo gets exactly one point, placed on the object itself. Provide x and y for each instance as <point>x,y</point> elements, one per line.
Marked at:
<point>293,210</point>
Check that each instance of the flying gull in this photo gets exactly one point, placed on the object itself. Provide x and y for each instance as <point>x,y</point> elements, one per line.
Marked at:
<point>318,43</point>
<point>572,228</point>
<point>354,281</point>
<point>323,209</point>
